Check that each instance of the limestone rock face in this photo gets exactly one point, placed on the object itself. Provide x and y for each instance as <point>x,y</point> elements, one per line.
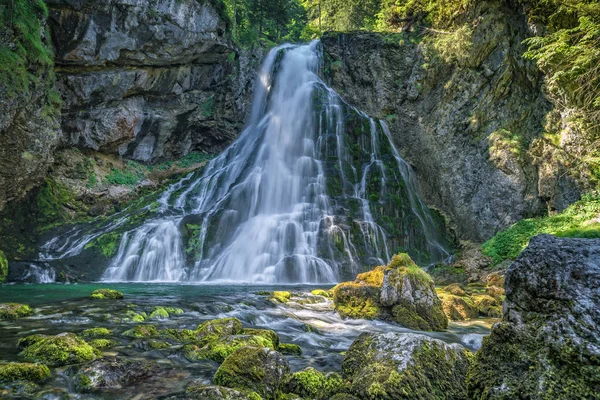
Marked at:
<point>451,119</point>
<point>406,366</point>
<point>149,79</point>
<point>548,343</point>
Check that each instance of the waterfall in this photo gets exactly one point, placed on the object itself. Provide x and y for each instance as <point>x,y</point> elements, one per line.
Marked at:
<point>312,191</point>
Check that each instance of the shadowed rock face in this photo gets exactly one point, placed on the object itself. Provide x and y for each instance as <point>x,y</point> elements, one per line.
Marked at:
<point>548,344</point>
<point>447,117</point>
<point>149,80</point>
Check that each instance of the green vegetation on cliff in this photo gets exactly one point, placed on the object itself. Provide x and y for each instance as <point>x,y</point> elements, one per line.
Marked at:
<point>579,220</point>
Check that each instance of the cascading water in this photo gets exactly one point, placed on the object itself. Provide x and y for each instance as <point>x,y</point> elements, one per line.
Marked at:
<point>313,191</point>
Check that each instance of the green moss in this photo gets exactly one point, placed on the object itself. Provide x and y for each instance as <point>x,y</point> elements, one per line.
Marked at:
<point>14,310</point>
<point>106,294</point>
<point>321,292</point>
<point>108,244</point>
<point>290,349</point>
<point>96,332</point>
<point>12,372</point>
<point>102,343</point>
<point>458,308</point>
<point>249,368</point>
<point>353,300</point>
<point>159,313</point>
<point>312,384</point>
<point>3,267</point>
<point>183,335</point>
<point>220,327</point>
<point>488,306</point>
<point>218,349</point>
<point>576,221</point>
<point>62,349</point>
<point>282,297</point>
<point>268,334</point>
<point>141,331</point>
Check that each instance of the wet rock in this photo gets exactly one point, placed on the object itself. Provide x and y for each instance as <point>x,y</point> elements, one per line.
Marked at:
<point>102,343</point>
<point>106,294</point>
<point>268,334</point>
<point>281,297</point>
<point>261,370</point>
<point>320,292</point>
<point>114,373</point>
<point>401,291</point>
<point>220,327</point>
<point>290,349</point>
<point>406,366</point>
<point>548,343</point>
<point>312,384</point>
<point>24,372</point>
<point>14,310</point>
<point>210,392</point>
<point>488,306</point>
<point>218,349</point>
<point>62,349</point>
<point>94,332</point>
<point>141,331</point>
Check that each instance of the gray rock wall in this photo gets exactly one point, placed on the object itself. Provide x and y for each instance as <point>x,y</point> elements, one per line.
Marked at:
<point>149,79</point>
<point>454,120</point>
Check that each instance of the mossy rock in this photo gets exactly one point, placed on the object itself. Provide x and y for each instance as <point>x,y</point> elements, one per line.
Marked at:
<point>114,372</point>
<point>495,279</point>
<point>405,366</point>
<point>488,306</point>
<point>268,334</point>
<point>102,343</point>
<point>181,336</point>
<point>94,332</point>
<point>62,349</point>
<point>312,384</point>
<point>149,344</point>
<point>455,290</point>
<point>320,292</point>
<point>496,292</point>
<point>458,308</point>
<point>106,294</point>
<point>220,327</point>
<point>202,391</point>
<point>14,371</point>
<point>218,349</point>
<point>164,312</point>
<point>357,300</point>
<point>281,297</point>
<point>3,267</point>
<point>260,370</point>
<point>14,310</point>
<point>290,349</point>
<point>141,331</point>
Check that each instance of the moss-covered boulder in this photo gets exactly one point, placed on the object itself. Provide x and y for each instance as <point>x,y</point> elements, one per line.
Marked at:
<point>102,343</point>
<point>320,292</point>
<point>62,349</point>
<point>220,327</point>
<point>455,289</point>
<point>3,267</point>
<point>547,345</point>
<point>260,370</point>
<point>290,349</point>
<point>281,296</point>
<point>14,371</point>
<point>406,366</point>
<point>218,349</point>
<point>164,312</point>
<point>114,372</point>
<point>106,294</point>
<point>14,310</point>
<point>268,334</point>
<point>400,291</point>
<point>200,391</point>
<point>458,308</point>
<point>178,335</point>
<point>141,331</point>
<point>95,332</point>
<point>488,306</point>
<point>313,384</point>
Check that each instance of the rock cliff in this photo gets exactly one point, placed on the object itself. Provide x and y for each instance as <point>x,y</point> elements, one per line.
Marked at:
<point>466,110</point>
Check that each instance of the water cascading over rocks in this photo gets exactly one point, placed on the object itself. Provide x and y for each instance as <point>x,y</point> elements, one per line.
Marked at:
<point>313,191</point>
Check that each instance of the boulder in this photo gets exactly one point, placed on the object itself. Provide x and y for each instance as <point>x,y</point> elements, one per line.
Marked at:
<point>14,371</point>
<point>548,343</point>
<point>62,349</point>
<point>313,384</point>
<point>260,370</point>
<point>400,291</point>
<point>406,366</point>
<point>106,294</point>
<point>113,372</point>
<point>14,310</point>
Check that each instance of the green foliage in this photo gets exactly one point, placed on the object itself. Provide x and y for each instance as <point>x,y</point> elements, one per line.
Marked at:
<point>107,244</point>
<point>21,22</point>
<point>570,58</point>
<point>126,176</point>
<point>23,372</point>
<point>576,221</point>
<point>404,14</point>
<point>193,158</point>
<point>3,267</point>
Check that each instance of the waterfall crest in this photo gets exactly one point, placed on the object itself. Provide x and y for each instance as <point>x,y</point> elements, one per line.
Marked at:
<point>313,191</point>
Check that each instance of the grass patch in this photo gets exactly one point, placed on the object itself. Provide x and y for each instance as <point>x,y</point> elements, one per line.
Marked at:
<point>579,220</point>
